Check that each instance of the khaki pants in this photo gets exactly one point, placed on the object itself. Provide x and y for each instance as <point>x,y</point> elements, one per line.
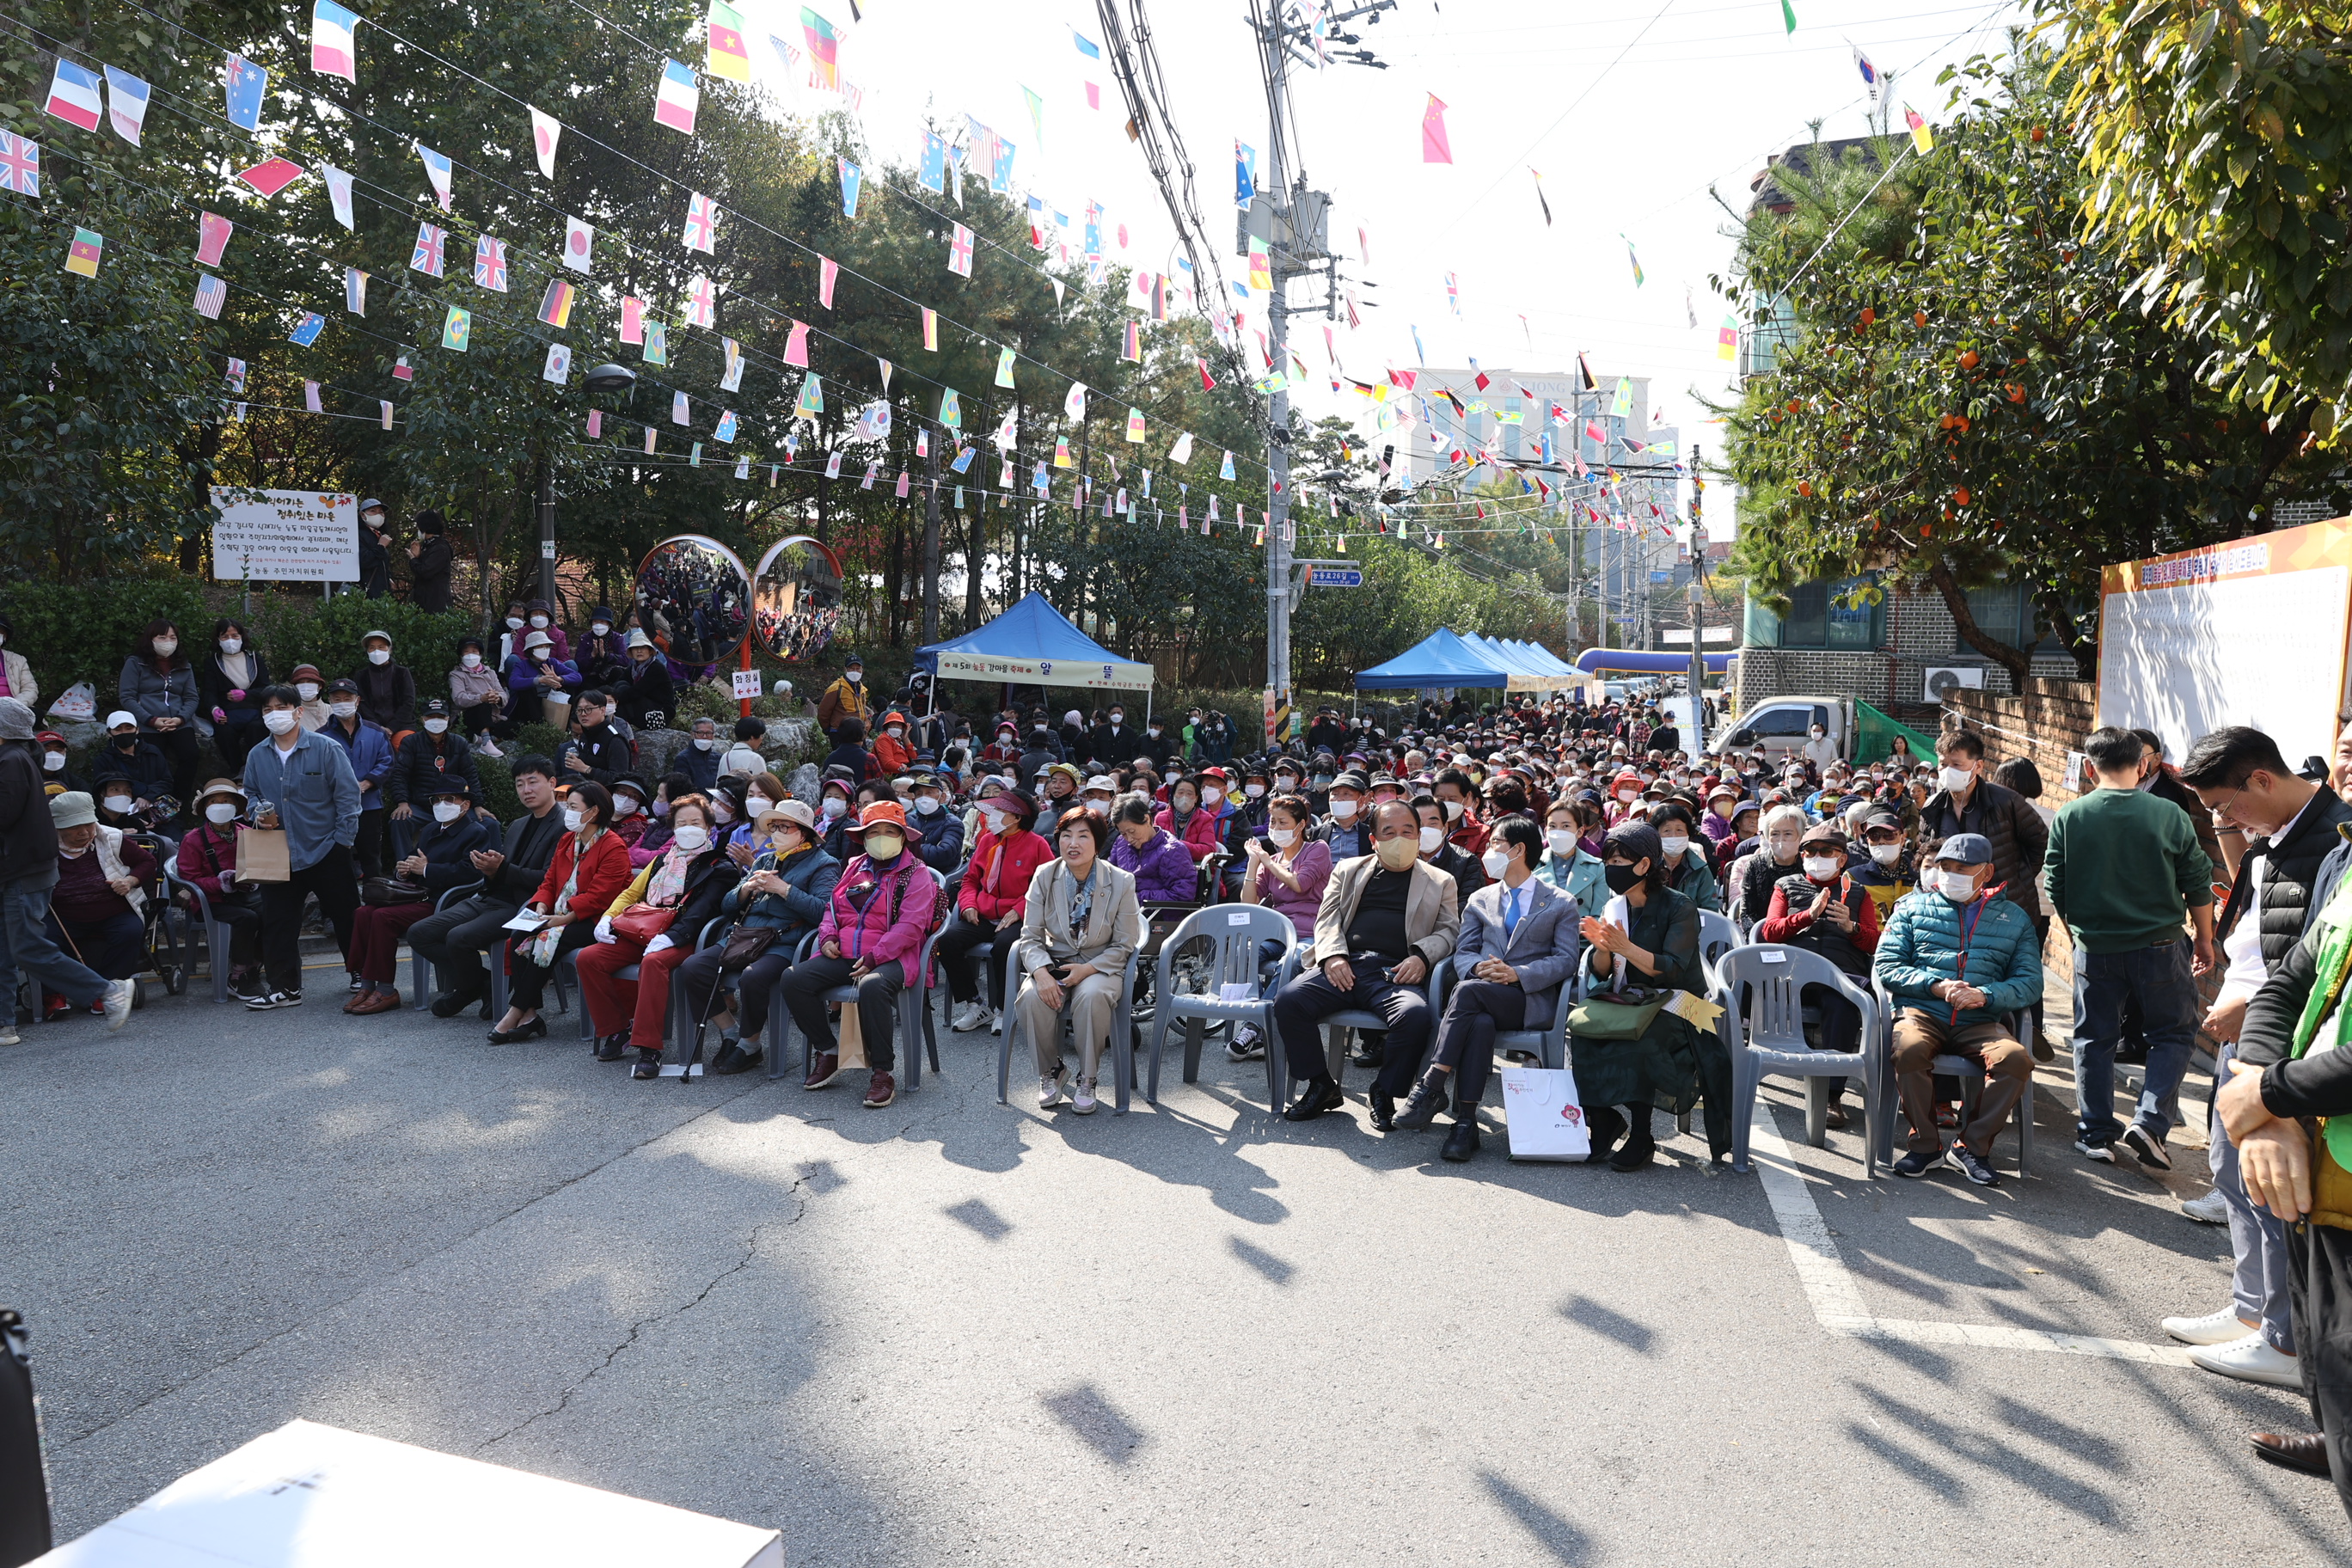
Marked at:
<point>2009,1072</point>
<point>1091,1006</point>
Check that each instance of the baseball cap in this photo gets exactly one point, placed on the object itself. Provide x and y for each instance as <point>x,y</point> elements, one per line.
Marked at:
<point>1967,848</point>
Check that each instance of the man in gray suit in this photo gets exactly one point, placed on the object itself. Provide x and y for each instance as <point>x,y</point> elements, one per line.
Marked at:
<point>1517,947</point>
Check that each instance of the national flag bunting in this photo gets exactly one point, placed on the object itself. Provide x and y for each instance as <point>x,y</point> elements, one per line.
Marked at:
<point>578,239</point>
<point>676,99</point>
<point>332,50</point>
<point>211,295</point>
<point>490,264</point>
<point>1435,147</point>
<point>457,329</point>
<point>558,368</point>
<point>960,252</point>
<point>428,256</point>
<point>83,255</point>
<point>126,104</point>
<point>825,50</point>
<point>244,89</point>
<point>74,95</point>
<point>1922,136</point>
<point>272,176</point>
<point>555,304</point>
<point>306,331</point>
<point>796,345</point>
<point>545,131</point>
<point>20,164</point>
<point>436,173</point>
<point>827,271</point>
<point>339,195</point>
<point>727,58</point>
<point>701,231</point>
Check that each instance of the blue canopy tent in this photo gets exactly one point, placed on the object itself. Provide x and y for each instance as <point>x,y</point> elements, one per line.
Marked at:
<point>1033,643</point>
<point>1444,658</point>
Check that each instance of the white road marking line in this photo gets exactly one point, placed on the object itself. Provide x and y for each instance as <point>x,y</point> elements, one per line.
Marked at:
<point>1836,1295</point>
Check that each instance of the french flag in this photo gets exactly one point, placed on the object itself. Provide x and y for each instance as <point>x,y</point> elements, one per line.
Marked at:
<point>675,102</point>
<point>73,96</point>
<point>333,52</point>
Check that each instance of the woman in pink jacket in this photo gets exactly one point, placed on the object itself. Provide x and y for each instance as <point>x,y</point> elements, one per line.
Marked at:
<point>872,938</point>
<point>1194,823</point>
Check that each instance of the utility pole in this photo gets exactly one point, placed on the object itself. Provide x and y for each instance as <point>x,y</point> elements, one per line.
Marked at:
<point>1698,608</point>
<point>931,547</point>
<point>546,530</point>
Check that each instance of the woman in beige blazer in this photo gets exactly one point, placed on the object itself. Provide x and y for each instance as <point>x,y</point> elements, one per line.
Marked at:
<point>1080,926</point>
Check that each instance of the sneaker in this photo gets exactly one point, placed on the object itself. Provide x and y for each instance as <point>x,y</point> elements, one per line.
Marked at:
<point>648,1063</point>
<point>2211,1209</point>
<point>2149,1146</point>
<point>117,1003</point>
<point>996,1022</point>
<point>1246,1045</point>
<point>8,1035</point>
<point>1918,1164</point>
<point>822,1069</point>
<point>2251,1360</point>
<point>2220,1328</point>
<point>880,1090</point>
<point>486,747</point>
<point>1964,1160</point>
<point>1084,1102</point>
<point>269,999</point>
<point>1049,1091</point>
<point>358,984</point>
<point>968,1017</point>
<point>2100,1151</point>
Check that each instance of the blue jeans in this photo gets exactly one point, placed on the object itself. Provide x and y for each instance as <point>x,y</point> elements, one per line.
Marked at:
<point>2258,1241</point>
<point>25,944</point>
<point>2160,978</point>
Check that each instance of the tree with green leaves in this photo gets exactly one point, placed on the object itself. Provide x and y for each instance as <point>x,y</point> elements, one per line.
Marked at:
<point>1965,391</point>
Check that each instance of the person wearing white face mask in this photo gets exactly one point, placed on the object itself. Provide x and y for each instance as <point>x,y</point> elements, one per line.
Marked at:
<point>158,688</point>
<point>302,783</point>
<point>1468,875</point>
<point>370,749</point>
<point>475,692</point>
<point>387,691</point>
<point>311,694</point>
<point>1288,869</point>
<point>1822,910</point>
<point>590,868</point>
<point>1687,871</point>
<point>206,861</point>
<point>432,752</point>
<point>1955,963</point>
<point>649,924</point>
<point>988,905</point>
<point>1965,801</point>
<point>1754,876</point>
<point>1347,825</point>
<point>442,860</point>
<point>1568,866</point>
<point>228,678</point>
<point>456,939</point>
<point>871,933</point>
<point>1882,866</point>
<point>938,833</point>
<point>783,895</point>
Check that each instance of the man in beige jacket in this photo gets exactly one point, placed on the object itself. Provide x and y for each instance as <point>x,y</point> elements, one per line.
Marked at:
<point>1386,920</point>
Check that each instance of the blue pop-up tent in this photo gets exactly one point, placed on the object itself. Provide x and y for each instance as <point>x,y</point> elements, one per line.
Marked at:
<point>1032,642</point>
<point>1444,657</point>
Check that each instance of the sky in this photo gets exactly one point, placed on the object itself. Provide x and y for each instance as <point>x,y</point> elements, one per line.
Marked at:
<point>1631,111</point>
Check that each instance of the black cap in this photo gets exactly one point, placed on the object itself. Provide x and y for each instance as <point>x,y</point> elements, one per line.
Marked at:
<point>434,708</point>
<point>346,685</point>
<point>450,783</point>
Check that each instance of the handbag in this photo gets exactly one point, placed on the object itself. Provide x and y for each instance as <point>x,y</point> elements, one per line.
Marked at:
<point>392,890</point>
<point>642,922</point>
<point>1622,1018</point>
<point>745,945</point>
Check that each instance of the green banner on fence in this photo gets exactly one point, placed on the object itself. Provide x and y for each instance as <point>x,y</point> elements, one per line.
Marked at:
<point>1875,735</point>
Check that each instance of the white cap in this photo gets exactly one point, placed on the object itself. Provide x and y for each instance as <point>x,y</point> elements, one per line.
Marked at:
<point>120,716</point>
<point>1100,782</point>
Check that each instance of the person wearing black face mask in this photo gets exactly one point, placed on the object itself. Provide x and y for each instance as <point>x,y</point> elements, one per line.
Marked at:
<point>1646,941</point>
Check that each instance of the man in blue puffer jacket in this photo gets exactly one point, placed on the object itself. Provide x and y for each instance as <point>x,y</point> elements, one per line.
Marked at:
<point>1957,957</point>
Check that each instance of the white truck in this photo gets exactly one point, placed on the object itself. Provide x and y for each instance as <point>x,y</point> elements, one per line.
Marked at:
<point>1783,725</point>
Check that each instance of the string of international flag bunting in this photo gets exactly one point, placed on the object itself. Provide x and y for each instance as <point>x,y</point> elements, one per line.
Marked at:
<point>85,97</point>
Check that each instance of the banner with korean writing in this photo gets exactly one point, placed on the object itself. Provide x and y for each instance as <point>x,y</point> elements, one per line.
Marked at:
<point>285,536</point>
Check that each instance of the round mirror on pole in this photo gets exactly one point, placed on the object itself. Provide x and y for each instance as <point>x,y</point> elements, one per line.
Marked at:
<point>796,598</point>
<point>694,599</point>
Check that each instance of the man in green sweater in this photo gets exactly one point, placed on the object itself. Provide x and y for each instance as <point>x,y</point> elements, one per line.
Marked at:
<point>2125,873</point>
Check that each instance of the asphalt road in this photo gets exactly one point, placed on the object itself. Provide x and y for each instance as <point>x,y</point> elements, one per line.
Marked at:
<point>955,1332</point>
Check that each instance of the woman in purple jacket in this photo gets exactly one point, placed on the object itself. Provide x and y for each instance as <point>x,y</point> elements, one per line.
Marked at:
<point>1162,868</point>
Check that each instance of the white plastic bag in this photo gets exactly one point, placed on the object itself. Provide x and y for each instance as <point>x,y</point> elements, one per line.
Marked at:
<point>1541,1111</point>
<point>78,700</point>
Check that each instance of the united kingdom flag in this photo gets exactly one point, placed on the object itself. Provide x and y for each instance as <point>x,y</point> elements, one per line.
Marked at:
<point>20,164</point>
<point>490,264</point>
<point>426,256</point>
<point>701,302</point>
<point>960,252</point>
<point>701,230</point>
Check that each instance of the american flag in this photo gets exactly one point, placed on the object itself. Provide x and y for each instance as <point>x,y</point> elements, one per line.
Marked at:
<point>20,164</point>
<point>490,264</point>
<point>701,222</point>
<point>426,256</point>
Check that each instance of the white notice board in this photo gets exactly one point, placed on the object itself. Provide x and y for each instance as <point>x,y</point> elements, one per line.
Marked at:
<point>285,536</point>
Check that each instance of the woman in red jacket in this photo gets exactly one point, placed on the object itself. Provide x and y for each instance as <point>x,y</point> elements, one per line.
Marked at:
<point>590,868</point>
<point>989,904</point>
<point>1188,820</point>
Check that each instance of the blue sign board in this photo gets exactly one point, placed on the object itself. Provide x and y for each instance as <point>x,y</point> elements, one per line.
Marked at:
<point>1335,576</point>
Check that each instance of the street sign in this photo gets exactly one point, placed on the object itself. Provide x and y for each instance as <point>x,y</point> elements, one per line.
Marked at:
<point>747,685</point>
<point>1335,576</point>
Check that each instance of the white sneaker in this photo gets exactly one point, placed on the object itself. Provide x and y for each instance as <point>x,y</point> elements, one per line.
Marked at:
<point>1049,1092</point>
<point>968,1017</point>
<point>118,1004</point>
<point>996,1022</point>
<point>1246,1046</point>
<point>486,747</point>
<point>8,1035</point>
<point>2251,1360</point>
<point>2211,1209</point>
<point>2221,1328</point>
<point>1084,1102</point>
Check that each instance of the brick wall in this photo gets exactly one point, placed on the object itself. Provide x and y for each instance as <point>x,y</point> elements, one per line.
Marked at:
<point>1893,677</point>
<point>2042,725</point>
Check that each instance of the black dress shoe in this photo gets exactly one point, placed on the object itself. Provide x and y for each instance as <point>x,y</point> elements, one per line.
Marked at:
<point>2305,1451</point>
<point>534,1030</point>
<point>1383,1105</point>
<point>1365,1056</point>
<point>648,1064</point>
<point>450,1004</point>
<point>1461,1142</point>
<point>1319,1095</point>
<point>610,1047</point>
<point>1636,1155</point>
<point>1608,1126</point>
<point>733,1059</point>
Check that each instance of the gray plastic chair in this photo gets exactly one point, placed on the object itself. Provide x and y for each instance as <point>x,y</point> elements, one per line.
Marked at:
<point>916,1036</point>
<point>420,971</point>
<point>216,931</point>
<point>1716,936</point>
<point>1764,1029</point>
<point>1548,1044</point>
<point>1338,1026</point>
<point>1238,930</point>
<point>1969,1074</point>
<point>1120,1051</point>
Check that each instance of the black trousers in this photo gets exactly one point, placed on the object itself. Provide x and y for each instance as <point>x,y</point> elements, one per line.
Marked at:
<point>2319,1292</point>
<point>281,914</point>
<point>754,985</point>
<point>371,847</point>
<point>116,947</point>
<point>1306,1001</point>
<point>963,945</point>
<point>527,982</point>
<point>234,738</point>
<point>877,1005</point>
<point>179,747</point>
<point>1475,1011</point>
<point>454,940</point>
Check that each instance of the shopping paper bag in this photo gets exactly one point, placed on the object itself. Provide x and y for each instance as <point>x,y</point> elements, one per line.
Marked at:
<point>852,1037</point>
<point>261,855</point>
<point>1541,1111</point>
